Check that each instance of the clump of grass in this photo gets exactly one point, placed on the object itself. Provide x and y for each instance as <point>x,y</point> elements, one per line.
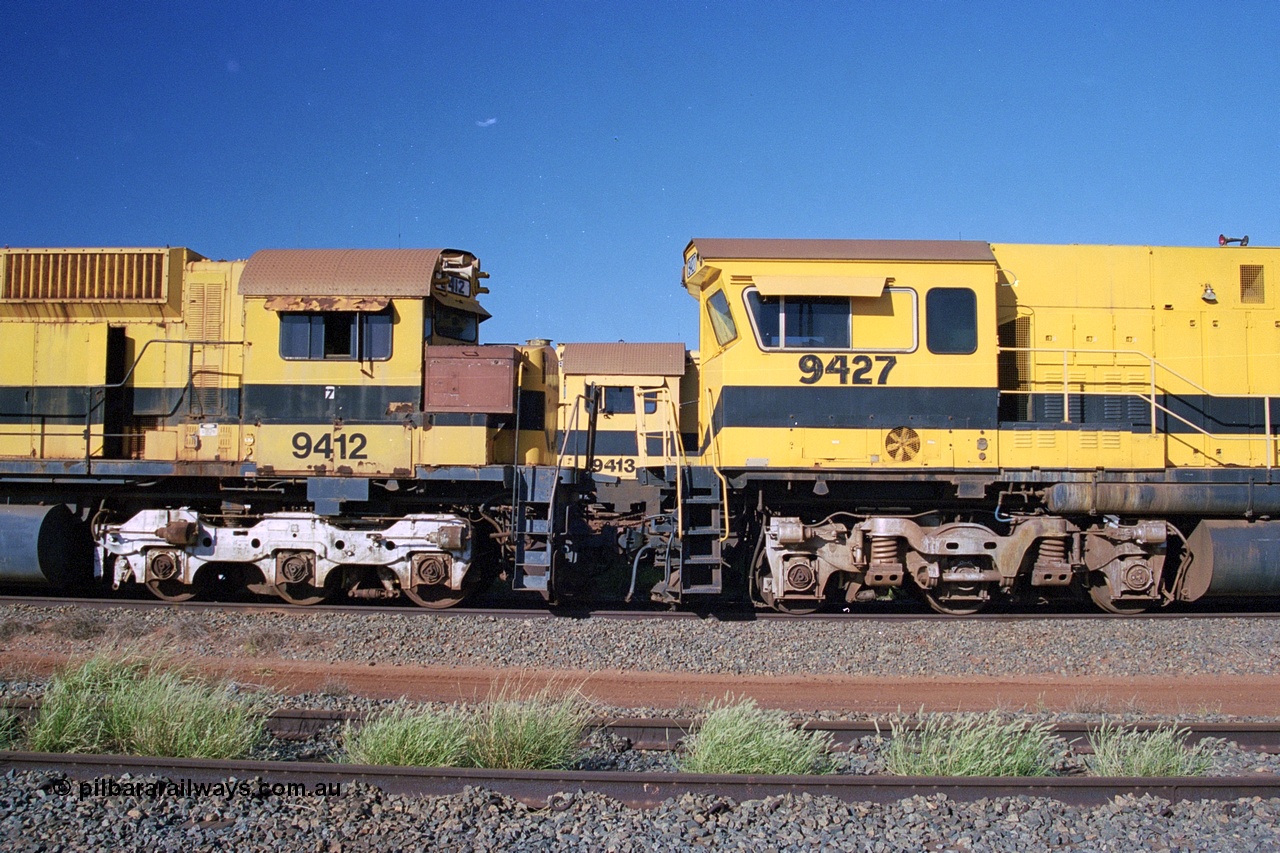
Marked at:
<point>9,729</point>
<point>1163,751</point>
<point>134,707</point>
<point>542,732</point>
<point>409,737</point>
<point>189,628</point>
<point>743,738</point>
<point>334,686</point>
<point>971,745</point>
<point>130,627</point>
<point>74,712</point>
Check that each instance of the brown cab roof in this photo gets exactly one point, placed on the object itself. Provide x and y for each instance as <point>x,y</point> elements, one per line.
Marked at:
<point>340,272</point>
<point>622,359</point>
<point>845,250</point>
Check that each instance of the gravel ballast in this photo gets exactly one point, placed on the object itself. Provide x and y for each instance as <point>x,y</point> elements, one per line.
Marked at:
<point>956,648</point>
<point>35,816</point>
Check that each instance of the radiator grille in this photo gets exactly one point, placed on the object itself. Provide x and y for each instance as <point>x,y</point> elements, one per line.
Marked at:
<point>1252,287</point>
<point>90,275</point>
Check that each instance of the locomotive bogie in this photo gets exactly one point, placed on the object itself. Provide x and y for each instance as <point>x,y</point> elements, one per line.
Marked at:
<point>291,552</point>
<point>959,566</point>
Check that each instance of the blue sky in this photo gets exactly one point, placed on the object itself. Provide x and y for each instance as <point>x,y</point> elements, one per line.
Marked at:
<point>577,147</point>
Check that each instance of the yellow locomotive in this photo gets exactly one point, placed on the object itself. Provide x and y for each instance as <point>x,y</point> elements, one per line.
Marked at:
<point>213,417</point>
<point>971,419</point>
<point>965,420</point>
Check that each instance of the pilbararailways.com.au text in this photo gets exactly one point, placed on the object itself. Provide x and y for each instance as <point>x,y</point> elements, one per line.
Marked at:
<point>229,789</point>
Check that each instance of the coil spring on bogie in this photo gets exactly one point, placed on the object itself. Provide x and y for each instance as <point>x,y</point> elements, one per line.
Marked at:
<point>1053,551</point>
<point>884,549</point>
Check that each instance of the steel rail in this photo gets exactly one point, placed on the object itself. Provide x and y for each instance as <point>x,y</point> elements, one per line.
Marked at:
<point>555,788</point>
<point>548,612</point>
<point>665,733</point>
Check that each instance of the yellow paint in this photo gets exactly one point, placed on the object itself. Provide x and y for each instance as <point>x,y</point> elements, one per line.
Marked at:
<point>1100,320</point>
<point>886,326</point>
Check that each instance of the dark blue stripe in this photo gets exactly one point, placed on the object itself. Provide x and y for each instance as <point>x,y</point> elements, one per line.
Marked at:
<point>1215,415</point>
<point>855,407</point>
<point>50,404</point>
<point>312,404</point>
<point>623,443</point>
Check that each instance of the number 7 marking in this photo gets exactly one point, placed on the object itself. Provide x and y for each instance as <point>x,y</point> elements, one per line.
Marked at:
<point>889,362</point>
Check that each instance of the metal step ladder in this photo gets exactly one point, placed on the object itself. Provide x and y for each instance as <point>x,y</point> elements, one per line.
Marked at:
<point>701,532</point>
<point>695,563</point>
<point>534,531</point>
<point>688,546</point>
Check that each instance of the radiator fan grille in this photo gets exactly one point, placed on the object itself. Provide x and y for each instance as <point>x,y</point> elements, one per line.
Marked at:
<point>902,444</point>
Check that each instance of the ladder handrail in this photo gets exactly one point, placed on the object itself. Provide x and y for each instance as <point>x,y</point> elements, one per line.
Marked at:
<point>1154,365</point>
<point>668,432</point>
<point>1153,362</point>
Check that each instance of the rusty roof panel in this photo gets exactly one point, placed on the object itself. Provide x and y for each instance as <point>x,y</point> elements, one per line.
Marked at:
<point>340,272</point>
<point>846,250</point>
<point>624,359</point>
<point>327,303</point>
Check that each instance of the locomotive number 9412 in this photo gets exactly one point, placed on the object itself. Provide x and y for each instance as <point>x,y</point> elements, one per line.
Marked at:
<point>343,445</point>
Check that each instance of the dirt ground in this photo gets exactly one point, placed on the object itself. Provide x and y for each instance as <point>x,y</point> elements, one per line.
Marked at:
<point>1231,695</point>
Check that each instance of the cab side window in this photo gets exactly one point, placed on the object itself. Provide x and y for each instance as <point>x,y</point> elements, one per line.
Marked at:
<point>951,321</point>
<point>800,322</point>
<point>619,400</point>
<point>457,325</point>
<point>335,335</point>
<point>722,323</point>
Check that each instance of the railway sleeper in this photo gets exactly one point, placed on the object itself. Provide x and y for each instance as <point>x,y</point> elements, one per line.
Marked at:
<point>297,556</point>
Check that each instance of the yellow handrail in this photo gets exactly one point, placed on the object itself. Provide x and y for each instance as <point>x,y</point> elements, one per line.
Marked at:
<point>1154,365</point>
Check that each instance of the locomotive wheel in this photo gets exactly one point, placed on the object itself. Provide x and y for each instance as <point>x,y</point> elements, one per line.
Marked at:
<point>956,599</point>
<point>171,590</point>
<point>301,594</point>
<point>434,596</point>
<point>1101,595</point>
<point>794,608</point>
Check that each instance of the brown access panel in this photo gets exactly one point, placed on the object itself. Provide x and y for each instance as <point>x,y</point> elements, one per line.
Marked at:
<point>470,379</point>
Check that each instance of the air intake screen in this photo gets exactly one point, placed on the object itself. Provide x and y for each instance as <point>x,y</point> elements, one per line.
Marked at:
<point>130,275</point>
<point>1252,288</point>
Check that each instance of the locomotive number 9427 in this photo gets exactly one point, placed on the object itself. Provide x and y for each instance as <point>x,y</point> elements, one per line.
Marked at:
<point>852,370</point>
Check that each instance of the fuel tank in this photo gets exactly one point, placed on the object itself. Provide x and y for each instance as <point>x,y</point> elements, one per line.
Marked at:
<point>44,545</point>
<point>1163,498</point>
<point>1234,557</point>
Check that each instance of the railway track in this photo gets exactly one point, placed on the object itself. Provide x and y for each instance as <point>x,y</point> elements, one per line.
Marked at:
<point>68,774</point>
<point>665,733</point>
<point>551,788</point>
<point>1215,611</point>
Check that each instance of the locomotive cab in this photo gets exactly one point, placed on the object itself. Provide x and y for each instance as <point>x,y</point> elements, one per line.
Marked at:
<point>627,407</point>
<point>846,354</point>
<point>334,376</point>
